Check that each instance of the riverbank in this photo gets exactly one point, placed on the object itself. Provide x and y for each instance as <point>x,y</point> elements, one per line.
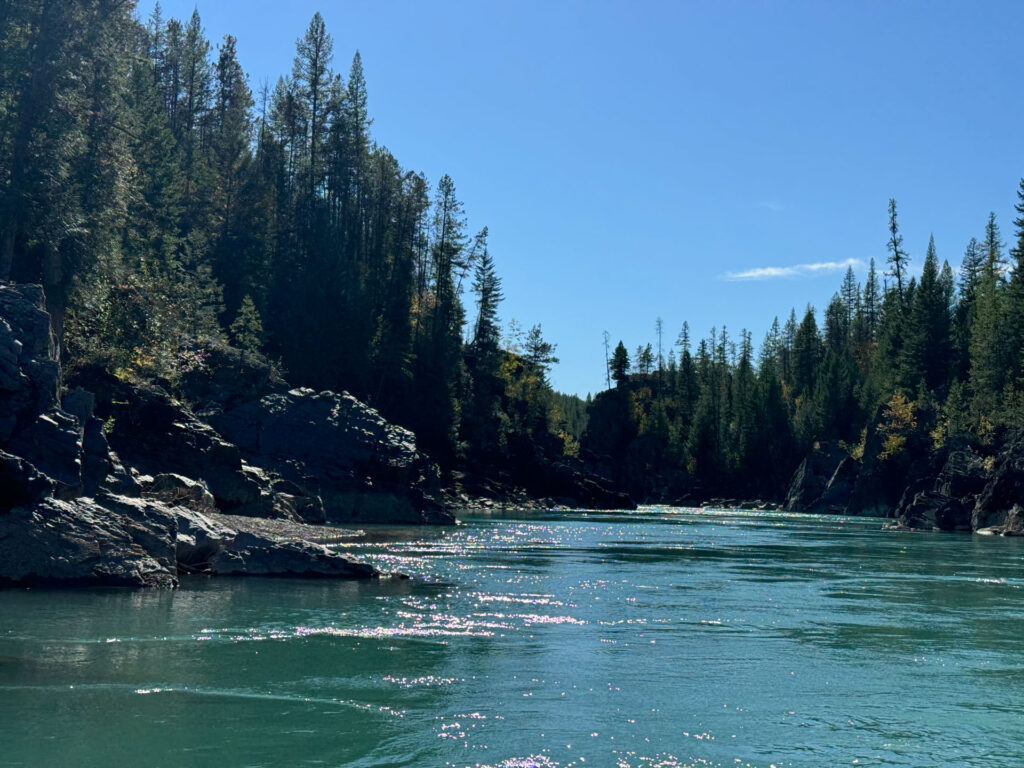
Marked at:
<point>108,480</point>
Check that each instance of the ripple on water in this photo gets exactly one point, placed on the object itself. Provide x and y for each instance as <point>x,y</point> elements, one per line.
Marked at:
<point>622,635</point>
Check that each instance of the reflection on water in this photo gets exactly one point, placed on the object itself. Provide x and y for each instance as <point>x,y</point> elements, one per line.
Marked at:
<point>660,638</point>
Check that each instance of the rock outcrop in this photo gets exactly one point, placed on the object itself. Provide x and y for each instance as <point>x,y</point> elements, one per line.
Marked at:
<point>205,546</point>
<point>334,447</point>
<point>71,513</point>
<point>120,541</point>
<point>953,488</point>
<point>999,505</point>
<point>569,484</point>
<point>155,434</point>
<point>84,542</point>
<point>29,370</point>
<point>944,497</point>
<point>822,482</point>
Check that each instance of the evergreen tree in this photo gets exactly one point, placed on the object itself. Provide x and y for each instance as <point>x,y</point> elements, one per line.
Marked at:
<point>620,365</point>
<point>311,73</point>
<point>898,258</point>
<point>247,328</point>
<point>989,354</point>
<point>926,354</point>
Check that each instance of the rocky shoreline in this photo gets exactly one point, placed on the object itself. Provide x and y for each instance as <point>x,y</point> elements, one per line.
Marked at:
<point>110,482</point>
<point>956,487</point>
<point>106,481</point>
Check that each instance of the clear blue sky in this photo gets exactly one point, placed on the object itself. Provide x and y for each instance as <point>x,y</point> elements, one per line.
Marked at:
<point>630,157</point>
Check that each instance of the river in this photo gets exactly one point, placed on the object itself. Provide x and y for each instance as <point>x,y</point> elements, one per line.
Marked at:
<point>653,639</point>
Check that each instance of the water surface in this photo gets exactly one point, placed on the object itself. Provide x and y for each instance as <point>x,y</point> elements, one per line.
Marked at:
<point>655,639</point>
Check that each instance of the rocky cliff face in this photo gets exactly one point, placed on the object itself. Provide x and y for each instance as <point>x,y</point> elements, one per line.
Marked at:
<point>112,485</point>
<point>950,489</point>
<point>334,447</point>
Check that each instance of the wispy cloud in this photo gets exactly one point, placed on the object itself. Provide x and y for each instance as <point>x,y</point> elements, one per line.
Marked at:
<point>795,270</point>
<point>771,205</point>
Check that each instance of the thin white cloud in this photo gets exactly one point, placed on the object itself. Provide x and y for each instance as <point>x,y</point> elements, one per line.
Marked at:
<point>771,205</point>
<point>796,270</point>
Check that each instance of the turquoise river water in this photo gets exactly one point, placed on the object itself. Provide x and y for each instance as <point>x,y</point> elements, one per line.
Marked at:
<point>652,639</point>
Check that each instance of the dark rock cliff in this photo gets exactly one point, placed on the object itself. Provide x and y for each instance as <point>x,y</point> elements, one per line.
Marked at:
<point>78,505</point>
<point>952,488</point>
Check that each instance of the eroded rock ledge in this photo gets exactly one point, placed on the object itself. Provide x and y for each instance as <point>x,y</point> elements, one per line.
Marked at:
<point>120,484</point>
<point>135,542</point>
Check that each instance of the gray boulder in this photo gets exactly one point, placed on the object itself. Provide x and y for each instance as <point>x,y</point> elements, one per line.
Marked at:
<point>335,448</point>
<point>205,546</point>
<point>177,490</point>
<point>933,510</point>
<point>125,542</point>
<point>53,444</point>
<point>942,499</point>
<point>21,483</point>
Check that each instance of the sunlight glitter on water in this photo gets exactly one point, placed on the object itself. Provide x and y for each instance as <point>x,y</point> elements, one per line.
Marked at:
<point>656,639</point>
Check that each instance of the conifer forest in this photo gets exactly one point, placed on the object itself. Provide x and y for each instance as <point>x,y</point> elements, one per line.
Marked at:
<point>163,202</point>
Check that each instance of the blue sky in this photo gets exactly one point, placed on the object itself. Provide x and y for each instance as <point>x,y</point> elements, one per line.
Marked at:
<point>716,162</point>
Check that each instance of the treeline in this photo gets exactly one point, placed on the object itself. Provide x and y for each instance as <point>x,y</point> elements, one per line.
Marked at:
<point>922,360</point>
<point>163,203</point>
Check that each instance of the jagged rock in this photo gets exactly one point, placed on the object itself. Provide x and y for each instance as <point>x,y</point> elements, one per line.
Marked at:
<point>120,541</point>
<point>101,468</point>
<point>816,473</point>
<point>50,533</point>
<point>998,504</point>
<point>29,371</point>
<point>176,490</point>
<point>336,448</point>
<point>942,499</point>
<point>205,546</point>
<point>963,475</point>
<point>82,542</point>
<point>1012,524</point>
<point>836,496</point>
<point>156,434</point>
<point>933,510</point>
<point>21,483</point>
<point>53,444</point>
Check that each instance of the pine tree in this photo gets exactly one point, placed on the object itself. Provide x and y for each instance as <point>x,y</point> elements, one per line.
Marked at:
<point>237,262</point>
<point>483,424</point>
<point>806,354</point>
<point>850,293</point>
<point>926,353</point>
<point>989,353</point>
<point>247,328</point>
<point>620,365</point>
<point>898,258</point>
<point>487,287</point>
<point>311,73</point>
